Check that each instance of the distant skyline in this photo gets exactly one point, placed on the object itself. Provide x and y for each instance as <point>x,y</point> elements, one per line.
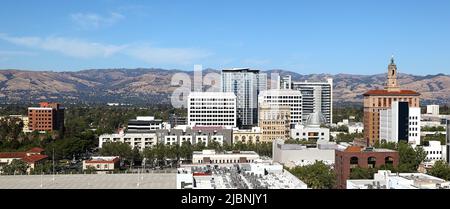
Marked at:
<point>347,36</point>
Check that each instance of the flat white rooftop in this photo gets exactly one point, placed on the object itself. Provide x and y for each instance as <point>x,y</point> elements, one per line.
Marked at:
<point>91,181</point>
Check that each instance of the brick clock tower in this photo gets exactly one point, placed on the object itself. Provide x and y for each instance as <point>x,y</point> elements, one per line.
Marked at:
<point>381,99</point>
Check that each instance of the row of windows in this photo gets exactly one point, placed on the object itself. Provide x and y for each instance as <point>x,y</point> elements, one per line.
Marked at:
<point>211,108</point>
<point>211,99</point>
<point>412,134</point>
<point>413,129</point>
<point>215,120</point>
<point>434,152</point>
<point>40,111</point>
<point>412,123</point>
<point>225,161</point>
<point>39,122</point>
<point>304,134</point>
<point>282,97</point>
<point>207,111</point>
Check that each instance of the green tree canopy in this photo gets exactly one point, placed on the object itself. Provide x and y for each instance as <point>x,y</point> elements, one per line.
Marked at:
<point>316,176</point>
<point>17,167</point>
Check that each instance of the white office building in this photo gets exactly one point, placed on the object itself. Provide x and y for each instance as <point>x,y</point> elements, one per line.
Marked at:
<point>316,96</point>
<point>400,122</point>
<point>212,109</point>
<point>144,124</point>
<point>435,152</point>
<point>139,140</point>
<point>227,157</point>
<point>284,97</point>
<point>384,179</point>
<point>433,109</point>
<point>246,84</point>
<point>292,155</point>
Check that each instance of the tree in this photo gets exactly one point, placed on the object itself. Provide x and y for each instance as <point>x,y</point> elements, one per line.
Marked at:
<point>150,155</point>
<point>440,169</point>
<point>42,168</point>
<point>410,158</point>
<point>90,170</point>
<point>186,151</point>
<point>120,149</point>
<point>316,176</point>
<point>362,173</point>
<point>136,155</point>
<point>160,153</point>
<point>17,167</point>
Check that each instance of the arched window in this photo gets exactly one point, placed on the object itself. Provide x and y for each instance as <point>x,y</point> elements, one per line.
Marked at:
<point>388,160</point>
<point>353,162</point>
<point>371,162</point>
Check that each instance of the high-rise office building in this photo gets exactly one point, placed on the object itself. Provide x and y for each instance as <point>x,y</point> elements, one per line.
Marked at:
<point>48,116</point>
<point>400,123</point>
<point>316,96</point>
<point>246,84</point>
<point>212,109</point>
<point>448,140</point>
<point>284,97</point>
<point>377,100</point>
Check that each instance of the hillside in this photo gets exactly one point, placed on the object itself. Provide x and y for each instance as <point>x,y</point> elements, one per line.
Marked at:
<point>152,86</point>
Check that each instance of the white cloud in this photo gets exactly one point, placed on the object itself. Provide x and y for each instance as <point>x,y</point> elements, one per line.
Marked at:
<point>157,55</point>
<point>84,49</point>
<point>68,46</point>
<point>16,53</point>
<point>95,21</point>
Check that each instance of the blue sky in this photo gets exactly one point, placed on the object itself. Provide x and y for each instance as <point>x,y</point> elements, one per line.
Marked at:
<point>356,37</point>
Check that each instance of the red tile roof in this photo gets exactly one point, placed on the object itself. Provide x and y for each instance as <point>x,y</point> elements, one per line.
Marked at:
<point>35,150</point>
<point>34,158</point>
<point>391,93</point>
<point>103,161</point>
<point>353,149</point>
<point>12,154</point>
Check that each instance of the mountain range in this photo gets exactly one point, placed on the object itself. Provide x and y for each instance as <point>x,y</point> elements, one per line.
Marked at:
<point>153,85</point>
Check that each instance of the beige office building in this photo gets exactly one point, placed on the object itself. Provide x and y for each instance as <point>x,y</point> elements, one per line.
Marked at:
<point>274,122</point>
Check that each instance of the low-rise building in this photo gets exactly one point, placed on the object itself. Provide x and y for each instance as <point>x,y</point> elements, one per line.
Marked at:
<point>435,152</point>
<point>354,156</point>
<point>138,140</point>
<point>312,131</point>
<point>32,157</point>
<point>291,155</point>
<point>384,179</point>
<point>102,164</point>
<point>226,157</point>
<point>237,176</point>
<point>194,135</point>
<point>247,135</point>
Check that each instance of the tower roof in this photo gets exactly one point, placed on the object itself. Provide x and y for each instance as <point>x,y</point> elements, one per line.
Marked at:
<point>315,119</point>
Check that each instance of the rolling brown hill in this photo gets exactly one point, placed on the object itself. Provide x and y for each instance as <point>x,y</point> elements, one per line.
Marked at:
<point>152,86</point>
